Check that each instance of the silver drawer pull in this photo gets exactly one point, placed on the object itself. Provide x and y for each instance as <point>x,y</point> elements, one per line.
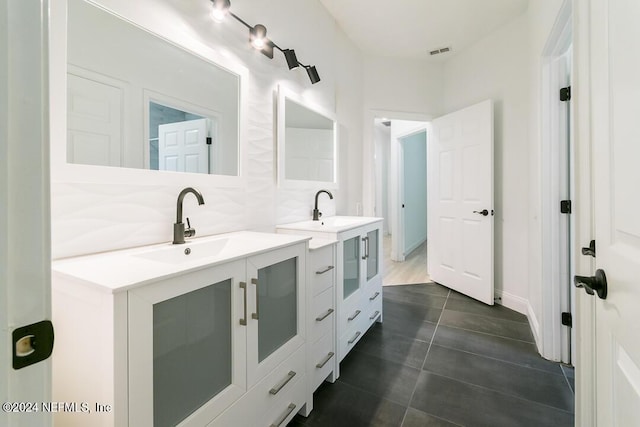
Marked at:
<point>354,315</point>
<point>256,315</point>
<point>374,315</point>
<point>243,286</point>
<point>324,316</point>
<point>283,383</point>
<point>324,270</point>
<point>374,296</point>
<point>325,360</point>
<point>284,416</point>
<point>355,337</point>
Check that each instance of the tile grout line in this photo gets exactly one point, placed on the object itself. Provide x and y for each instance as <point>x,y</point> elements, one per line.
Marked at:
<point>567,380</point>
<point>508,362</point>
<point>487,333</point>
<point>415,387</point>
<point>514,396</point>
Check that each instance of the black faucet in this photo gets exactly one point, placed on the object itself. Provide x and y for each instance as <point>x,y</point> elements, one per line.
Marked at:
<point>179,232</point>
<point>316,213</point>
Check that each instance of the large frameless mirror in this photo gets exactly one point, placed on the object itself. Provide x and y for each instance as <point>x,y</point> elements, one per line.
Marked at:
<point>307,147</point>
<point>136,100</point>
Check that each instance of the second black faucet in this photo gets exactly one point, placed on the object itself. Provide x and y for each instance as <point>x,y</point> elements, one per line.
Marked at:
<point>316,213</point>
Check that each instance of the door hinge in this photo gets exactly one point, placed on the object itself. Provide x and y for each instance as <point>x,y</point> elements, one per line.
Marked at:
<point>209,140</point>
<point>590,250</point>
<point>565,206</point>
<point>567,320</point>
<point>565,94</point>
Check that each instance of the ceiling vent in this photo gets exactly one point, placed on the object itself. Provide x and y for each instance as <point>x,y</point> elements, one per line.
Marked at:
<point>440,50</point>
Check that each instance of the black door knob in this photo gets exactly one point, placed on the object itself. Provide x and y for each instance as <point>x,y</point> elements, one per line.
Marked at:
<point>591,284</point>
<point>483,212</point>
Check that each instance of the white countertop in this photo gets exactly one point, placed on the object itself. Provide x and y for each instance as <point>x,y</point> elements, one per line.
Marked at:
<point>320,242</point>
<point>332,224</point>
<point>118,271</point>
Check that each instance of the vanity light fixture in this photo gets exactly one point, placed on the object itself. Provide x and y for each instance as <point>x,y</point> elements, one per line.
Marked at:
<point>258,36</point>
<point>290,56</point>
<point>220,9</point>
<point>258,39</point>
<point>313,74</point>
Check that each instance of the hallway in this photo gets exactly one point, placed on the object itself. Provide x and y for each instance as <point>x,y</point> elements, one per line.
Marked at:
<point>443,359</point>
<point>412,270</point>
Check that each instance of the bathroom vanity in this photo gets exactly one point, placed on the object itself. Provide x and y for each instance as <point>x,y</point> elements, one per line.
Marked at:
<point>210,332</point>
<point>321,321</point>
<point>358,276</point>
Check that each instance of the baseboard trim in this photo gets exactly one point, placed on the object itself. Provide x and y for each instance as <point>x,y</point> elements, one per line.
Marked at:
<point>511,301</point>
<point>535,327</point>
<point>521,305</point>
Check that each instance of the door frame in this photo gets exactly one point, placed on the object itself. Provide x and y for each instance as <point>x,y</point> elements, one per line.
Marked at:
<point>25,281</point>
<point>554,341</point>
<point>586,405</point>
<point>368,148</point>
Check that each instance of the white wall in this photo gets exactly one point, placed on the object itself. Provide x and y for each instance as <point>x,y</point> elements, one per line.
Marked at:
<point>414,197</point>
<point>497,67</point>
<point>382,138</point>
<point>396,88</point>
<point>505,66</point>
<point>94,216</point>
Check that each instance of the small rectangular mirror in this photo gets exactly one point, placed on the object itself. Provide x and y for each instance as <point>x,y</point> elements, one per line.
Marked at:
<point>307,145</point>
<point>136,100</point>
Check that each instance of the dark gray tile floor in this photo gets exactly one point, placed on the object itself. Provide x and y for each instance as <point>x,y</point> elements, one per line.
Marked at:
<point>443,359</point>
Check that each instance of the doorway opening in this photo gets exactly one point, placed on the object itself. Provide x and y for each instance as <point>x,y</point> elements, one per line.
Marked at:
<point>400,170</point>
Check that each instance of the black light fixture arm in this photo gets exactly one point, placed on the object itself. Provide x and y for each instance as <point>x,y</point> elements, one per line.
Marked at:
<point>289,54</point>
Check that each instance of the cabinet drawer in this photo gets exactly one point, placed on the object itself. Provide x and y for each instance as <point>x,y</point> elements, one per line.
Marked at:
<point>280,380</point>
<point>322,269</point>
<point>374,310</point>
<point>373,295</point>
<point>351,336</point>
<point>322,360</point>
<point>286,406</point>
<point>322,313</point>
<point>351,312</point>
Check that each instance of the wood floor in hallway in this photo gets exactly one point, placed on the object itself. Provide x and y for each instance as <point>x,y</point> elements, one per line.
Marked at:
<point>413,270</point>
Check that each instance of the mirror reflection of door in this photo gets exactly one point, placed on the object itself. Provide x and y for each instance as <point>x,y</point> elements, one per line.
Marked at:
<point>178,140</point>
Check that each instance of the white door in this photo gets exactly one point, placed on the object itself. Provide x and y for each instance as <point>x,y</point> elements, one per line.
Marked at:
<point>615,90</point>
<point>25,255</point>
<point>460,201</point>
<point>183,146</point>
<point>94,120</point>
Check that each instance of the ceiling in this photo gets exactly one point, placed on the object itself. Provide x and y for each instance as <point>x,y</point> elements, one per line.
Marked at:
<point>412,28</point>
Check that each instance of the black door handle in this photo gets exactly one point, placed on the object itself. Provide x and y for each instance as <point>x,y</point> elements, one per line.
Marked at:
<point>591,284</point>
<point>483,212</point>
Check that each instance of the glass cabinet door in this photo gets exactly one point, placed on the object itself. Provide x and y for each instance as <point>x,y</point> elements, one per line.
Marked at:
<point>184,338</point>
<point>277,307</point>
<point>371,254</point>
<point>351,266</point>
<point>191,351</point>
<point>276,293</point>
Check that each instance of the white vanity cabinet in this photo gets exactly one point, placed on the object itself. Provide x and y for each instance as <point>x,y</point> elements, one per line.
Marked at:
<point>321,319</point>
<point>358,289</point>
<point>359,284</point>
<point>214,341</point>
